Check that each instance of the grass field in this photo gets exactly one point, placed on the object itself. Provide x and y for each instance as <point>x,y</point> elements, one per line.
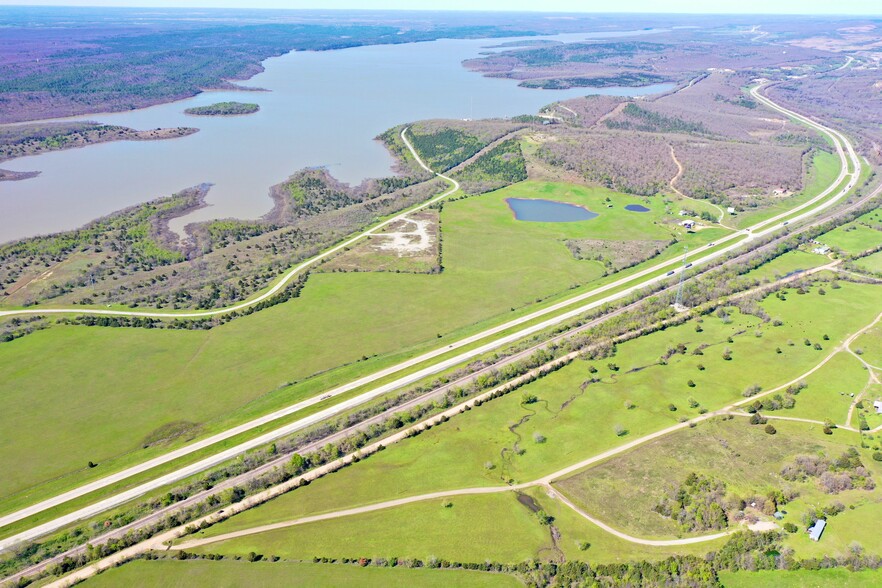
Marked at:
<point>492,527</point>
<point>623,491</point>
<point>55,383</point>
<point>871,263</point>
<point>789,263</point>
<point>828,395</point>
<point>852,238</point>
<point>856,525</point>
<point>603,547</point>
<point>478,448</point>
<point>870,346</point>
<point>832,578</point>
<point>233,574</point>
<point>469,530</point>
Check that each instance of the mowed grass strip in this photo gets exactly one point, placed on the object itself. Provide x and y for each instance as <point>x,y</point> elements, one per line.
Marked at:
<point>828,578</point>
<point>788,264</point>
<point>233,574</point>
<point>477,528</point>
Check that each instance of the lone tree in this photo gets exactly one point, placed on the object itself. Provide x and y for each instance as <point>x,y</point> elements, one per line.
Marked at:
<point>770,429</point>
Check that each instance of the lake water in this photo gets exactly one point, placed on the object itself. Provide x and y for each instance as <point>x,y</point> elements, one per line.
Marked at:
<point>636,208</point>
<point>548,211</point>
<point>324,109</point>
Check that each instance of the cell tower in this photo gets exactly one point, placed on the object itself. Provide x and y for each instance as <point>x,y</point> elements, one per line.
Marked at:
<point>678,302</point>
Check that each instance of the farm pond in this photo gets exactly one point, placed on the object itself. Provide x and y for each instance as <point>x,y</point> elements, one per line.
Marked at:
<point>548,211</point>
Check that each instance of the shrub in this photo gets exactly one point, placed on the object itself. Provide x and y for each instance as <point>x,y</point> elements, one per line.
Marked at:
<point>770,430</point>
<point>544,517</point>
<point>672,408</point>
<point>538,438</point>
<point>790,528</point>
<point>877,456</point>
<point>528,398</point>
<point>751,391</point>
<point>620,431</point>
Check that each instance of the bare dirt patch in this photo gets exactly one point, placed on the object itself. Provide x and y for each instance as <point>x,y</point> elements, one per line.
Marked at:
<point>409,245</point>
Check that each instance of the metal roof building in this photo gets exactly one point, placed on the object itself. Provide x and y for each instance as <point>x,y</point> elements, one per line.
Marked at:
<point>817,530</point>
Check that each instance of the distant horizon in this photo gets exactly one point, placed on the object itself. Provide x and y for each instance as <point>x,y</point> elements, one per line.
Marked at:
<point>854,8</point>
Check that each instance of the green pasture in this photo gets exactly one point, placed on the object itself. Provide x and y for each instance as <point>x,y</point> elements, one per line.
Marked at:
<point>233,574</point>
<point>827,578</point>
<point>869,345</point>
<point>871,263</point>
<point>478,448</point>
<point>828,395</point>
<point>473,528</point>
<point>855,526</point>
<point>789,263</point>
<point>852,238</point>
<point>80,379</point>
<point>603,547</point>
<point>623,490</point>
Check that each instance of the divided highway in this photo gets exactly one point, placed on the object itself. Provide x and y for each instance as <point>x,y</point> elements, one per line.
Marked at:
<point>568,309</point>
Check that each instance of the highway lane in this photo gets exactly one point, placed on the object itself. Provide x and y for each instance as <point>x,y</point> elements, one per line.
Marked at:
<point>844,149</point>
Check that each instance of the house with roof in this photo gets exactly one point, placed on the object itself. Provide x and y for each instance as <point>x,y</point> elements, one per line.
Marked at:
<point>816,530</point>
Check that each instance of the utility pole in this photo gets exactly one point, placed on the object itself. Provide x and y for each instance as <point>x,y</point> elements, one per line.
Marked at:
<point>678,302</point>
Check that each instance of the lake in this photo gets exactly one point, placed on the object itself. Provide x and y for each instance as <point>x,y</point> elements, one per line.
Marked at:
<point>324,109</point>
<point>636,208</point>
<point>548,211</point>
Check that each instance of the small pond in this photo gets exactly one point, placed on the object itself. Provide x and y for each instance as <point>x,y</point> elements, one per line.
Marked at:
<point>636,208</point>
<point>548,211</point>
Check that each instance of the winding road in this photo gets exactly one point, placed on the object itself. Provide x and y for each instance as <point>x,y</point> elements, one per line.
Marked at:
<point>616,290</point>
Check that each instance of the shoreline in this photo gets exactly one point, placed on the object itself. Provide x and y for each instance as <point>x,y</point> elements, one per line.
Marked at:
<point>7,175</point>
<point>84,139</point>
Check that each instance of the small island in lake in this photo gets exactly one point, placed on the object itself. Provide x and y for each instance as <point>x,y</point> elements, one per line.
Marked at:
<point>224,109</point>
